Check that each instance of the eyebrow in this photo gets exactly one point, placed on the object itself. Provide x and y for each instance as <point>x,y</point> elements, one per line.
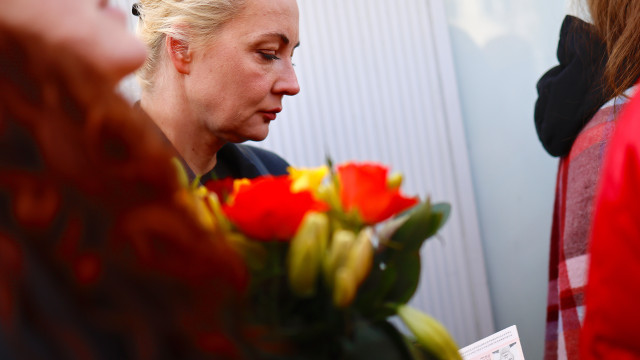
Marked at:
<point>282,37</point>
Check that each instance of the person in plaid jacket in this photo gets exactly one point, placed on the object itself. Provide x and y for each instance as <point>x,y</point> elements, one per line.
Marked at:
<point>579,102</point>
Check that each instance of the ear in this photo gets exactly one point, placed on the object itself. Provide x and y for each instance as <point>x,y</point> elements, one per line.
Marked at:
<point>179,53</point>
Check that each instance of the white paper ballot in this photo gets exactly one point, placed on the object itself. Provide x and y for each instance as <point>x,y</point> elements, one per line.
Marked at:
<point>503,345</point>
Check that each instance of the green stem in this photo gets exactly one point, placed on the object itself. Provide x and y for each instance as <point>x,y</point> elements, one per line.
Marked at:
<point>391,306</point>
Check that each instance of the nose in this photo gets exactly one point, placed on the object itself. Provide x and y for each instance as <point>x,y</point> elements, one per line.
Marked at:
<point>287,81</point>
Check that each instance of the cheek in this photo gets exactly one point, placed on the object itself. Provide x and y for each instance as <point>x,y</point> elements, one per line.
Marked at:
<point>252,78</point>
<point>258,86</point>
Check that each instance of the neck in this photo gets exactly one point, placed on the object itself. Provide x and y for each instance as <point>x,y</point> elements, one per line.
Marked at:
<point>167,105</point>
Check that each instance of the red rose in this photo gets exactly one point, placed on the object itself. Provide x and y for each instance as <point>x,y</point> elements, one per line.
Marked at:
<point>223,187</point>
<point>363,187</point>
<point>267,209</point>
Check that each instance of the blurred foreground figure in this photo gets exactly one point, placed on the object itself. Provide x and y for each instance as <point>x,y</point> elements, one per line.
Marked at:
<point>93,30</point>
<point>102,254</point>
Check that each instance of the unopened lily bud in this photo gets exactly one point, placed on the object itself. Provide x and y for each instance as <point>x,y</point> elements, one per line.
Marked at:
<point>360,256</point>
<point>306,252</point>
<point>216,208</point>
<point>181,173</point>
<point>336,257</point>
<point>204,214</point>
<point>429,333</point>
<point>329,194</point>
<point>319,222</point>
<point>303,268</point>
<point>344,290</point>
<point>196,201</point>
<point>253,252</point>
<point>394,181</point>
<point>200,191</point>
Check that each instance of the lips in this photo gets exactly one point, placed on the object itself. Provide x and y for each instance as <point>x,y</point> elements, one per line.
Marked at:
<point>270,114</point>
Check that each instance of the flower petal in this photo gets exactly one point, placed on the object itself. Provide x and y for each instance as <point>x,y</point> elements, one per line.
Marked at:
<point>364,187</point>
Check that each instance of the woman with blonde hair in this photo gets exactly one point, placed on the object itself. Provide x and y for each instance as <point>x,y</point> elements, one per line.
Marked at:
<point>216,75</point>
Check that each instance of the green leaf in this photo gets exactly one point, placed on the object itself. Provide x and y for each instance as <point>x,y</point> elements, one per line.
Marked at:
<point>407,268</point>
<point>444,209</point>
<point>379,340</point>
<point>424,221</point>
<point>375,288</point>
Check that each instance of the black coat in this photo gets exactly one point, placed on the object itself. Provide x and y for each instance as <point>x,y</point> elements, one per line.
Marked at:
<point>244,161</point>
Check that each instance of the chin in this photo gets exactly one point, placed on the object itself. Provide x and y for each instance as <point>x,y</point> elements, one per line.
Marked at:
<point>240,138</point>
<point>252,132</point>
<point>258,135</point>
<point>257,138</point>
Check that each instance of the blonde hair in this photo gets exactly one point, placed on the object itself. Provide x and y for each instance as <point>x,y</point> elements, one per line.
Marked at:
<point>193,21</point>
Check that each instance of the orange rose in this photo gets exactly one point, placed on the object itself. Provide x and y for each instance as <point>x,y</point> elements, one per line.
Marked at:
<point>364,187</point>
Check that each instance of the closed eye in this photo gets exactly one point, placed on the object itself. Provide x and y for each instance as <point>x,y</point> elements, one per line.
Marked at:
<point>268,56</point>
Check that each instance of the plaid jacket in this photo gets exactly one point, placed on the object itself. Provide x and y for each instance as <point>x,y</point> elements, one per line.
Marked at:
<point>577,179</point>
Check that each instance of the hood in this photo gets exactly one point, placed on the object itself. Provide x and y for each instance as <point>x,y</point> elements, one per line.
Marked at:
<point>570,93</point>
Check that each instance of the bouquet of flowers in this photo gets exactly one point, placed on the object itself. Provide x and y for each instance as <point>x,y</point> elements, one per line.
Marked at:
<point>333,253</point>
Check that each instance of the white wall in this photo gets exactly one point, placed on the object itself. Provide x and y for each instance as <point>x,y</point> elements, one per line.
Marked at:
<point>500,49</point>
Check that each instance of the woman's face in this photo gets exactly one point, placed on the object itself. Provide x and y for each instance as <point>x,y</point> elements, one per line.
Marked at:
<point>237,81</point>
<point>90,28</point>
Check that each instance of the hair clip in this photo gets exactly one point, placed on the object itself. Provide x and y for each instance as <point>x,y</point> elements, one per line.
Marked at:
<point>135,9</point>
